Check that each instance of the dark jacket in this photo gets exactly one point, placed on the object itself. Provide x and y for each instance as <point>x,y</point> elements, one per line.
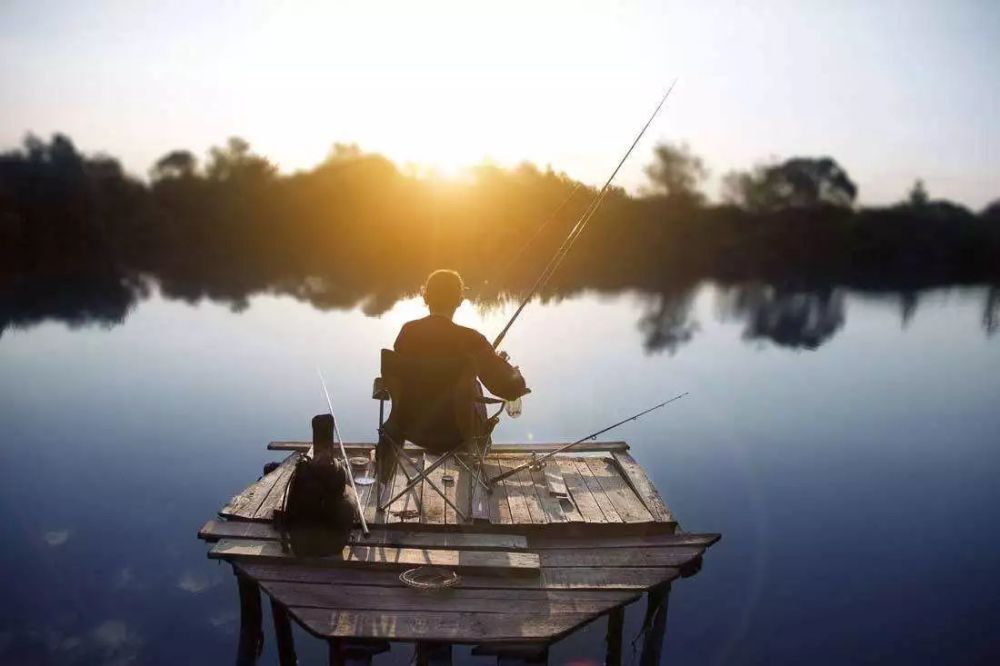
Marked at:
<point>437,336</point>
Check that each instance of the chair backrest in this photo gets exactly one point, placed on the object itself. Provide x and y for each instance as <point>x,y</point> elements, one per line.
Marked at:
<point>432,399</point>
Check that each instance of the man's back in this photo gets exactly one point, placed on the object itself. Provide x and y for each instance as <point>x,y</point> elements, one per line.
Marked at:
<point>436,336</point>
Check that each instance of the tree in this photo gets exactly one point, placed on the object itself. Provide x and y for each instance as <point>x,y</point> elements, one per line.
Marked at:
<point>235,161</point>
<point>175,164</point>
<point>676,173</point>
<point>800,182</point>
<point>918,197</point>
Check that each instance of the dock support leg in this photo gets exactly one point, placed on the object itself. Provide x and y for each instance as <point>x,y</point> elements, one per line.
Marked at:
<point>349,652</point>
<point>283,635</point>
<point>251,636</point>
<point>616,623</point>
<point>433,654</point>
<point>655,625</point>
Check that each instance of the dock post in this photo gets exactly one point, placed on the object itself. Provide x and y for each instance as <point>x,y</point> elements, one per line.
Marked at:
<point>433,654</point>
<point>616,623</point>
<point>655,624</point>
<point>283,635</point>
<point>251,636</point>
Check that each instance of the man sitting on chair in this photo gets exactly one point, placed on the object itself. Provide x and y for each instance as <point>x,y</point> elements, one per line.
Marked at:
<point>436,335</point>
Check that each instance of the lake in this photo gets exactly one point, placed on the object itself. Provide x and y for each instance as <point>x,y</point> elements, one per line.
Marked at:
<point>846,445</point>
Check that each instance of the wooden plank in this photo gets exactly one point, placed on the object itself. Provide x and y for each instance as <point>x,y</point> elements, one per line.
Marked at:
<point>602,500</point>
<point>517,495</point>
<point>552,506</point>
<point>406,509</point>
<point>510,447</point>
<point>214,530</point>
<point>544,541</point>
<point>443,627</point>
<point>636,477</point>
<point>524,563</point>
<point>373,597</point>
<point>554,481</point>
<point>619,557</point>
<point>369,498</point>
<point>432,512</point>
<point>626,503</point>
<point>244,505</point>
<point>276,496</point>
<point>480,495</point>
<point>581,506</point>
<point>535,509</point>
<point>551,578</point>
<point>463,486</point>
<point>499,507</point>
<point>450,490</point>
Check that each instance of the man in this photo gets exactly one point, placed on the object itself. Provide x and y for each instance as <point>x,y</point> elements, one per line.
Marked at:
<point>436,335</point>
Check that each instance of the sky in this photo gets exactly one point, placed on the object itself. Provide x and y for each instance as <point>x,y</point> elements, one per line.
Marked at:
<point>893,90</point>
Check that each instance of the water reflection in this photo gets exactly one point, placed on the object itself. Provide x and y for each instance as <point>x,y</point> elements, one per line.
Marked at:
<point>795,317</point>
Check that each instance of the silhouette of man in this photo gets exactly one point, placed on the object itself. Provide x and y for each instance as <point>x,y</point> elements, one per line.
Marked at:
<point>436,335</point>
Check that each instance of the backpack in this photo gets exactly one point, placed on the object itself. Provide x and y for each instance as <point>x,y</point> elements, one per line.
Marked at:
<point>318,510</point>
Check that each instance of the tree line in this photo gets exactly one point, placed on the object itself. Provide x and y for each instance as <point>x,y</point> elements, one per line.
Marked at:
<point>358,229</point>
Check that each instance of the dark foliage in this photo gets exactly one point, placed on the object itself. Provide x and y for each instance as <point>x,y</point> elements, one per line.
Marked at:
<point>356,230</point>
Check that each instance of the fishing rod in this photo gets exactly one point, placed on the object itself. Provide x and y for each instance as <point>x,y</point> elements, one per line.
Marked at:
<point>539,462</point>
<point>550,218</point>
<point>343,452</point>
<point>580,225</point>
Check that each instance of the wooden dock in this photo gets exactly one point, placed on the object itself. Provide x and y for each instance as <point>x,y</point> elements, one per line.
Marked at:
<point>561,547</point>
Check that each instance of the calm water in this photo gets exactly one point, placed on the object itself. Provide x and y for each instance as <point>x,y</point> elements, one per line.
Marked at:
<point>850,464</point>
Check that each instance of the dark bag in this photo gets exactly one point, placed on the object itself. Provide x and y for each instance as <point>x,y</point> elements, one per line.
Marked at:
<point>318,510</point>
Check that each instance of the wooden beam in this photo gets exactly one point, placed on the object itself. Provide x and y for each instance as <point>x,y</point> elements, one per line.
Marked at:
<point>214,530</point>
<point>437,626</point>
<point>511,563</point>
<point>458,600</point>
<point>620,557</point>
<point>500,448</point>
<point>553,578</point>
<point>643,487</point>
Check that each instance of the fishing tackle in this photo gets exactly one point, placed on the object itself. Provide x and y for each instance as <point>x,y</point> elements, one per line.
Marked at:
<point>537,462</point>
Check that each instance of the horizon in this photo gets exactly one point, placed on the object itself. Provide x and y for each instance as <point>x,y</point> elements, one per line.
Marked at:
<point>454,86</point>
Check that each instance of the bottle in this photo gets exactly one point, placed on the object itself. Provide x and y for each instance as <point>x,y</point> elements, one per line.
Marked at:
<point>514,407</point>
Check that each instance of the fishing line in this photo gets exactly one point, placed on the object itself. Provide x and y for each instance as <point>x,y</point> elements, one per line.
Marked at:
<point>343,452</point>
<point>579,227</point>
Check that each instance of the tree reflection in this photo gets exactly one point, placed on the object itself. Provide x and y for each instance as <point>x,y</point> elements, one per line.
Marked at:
<point>666,323</point>
<point>790,318</point>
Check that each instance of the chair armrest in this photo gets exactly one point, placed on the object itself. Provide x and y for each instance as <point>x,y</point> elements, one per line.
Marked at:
<point>379,391</point>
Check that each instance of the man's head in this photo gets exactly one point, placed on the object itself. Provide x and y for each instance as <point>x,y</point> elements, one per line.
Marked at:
<point>443,292</point>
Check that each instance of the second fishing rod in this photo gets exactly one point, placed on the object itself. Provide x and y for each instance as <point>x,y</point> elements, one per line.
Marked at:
<point>578,228</point>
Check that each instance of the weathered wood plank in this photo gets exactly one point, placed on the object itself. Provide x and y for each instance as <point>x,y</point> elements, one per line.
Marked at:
<point>463,486</point>
<point>626,503</point>
<point>213,530</point>
<point>515,447</point>
<point>620,557</point>
<point>554,481</point>
<point>551,578</point>
<point>544,541</point>
<point>451,490</point>
<point>433,504</point>
<point>516,495</point>
<point>406,509</point>
<point>600,498</point>
<point>525,563</point>
<point>372,597</point>
<point>552,506</point>
<point>244,505</point>
<point>276,496</point>
<point>535,509</point>
<point>581,506</point>
<point>636,476</point>
<point>445,627</point>
<point>499,507</point>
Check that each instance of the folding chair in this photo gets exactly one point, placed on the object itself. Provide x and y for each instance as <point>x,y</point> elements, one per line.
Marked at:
<point>433,406</point>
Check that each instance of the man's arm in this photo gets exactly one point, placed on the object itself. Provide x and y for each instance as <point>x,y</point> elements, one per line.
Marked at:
<point>499,377</point>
